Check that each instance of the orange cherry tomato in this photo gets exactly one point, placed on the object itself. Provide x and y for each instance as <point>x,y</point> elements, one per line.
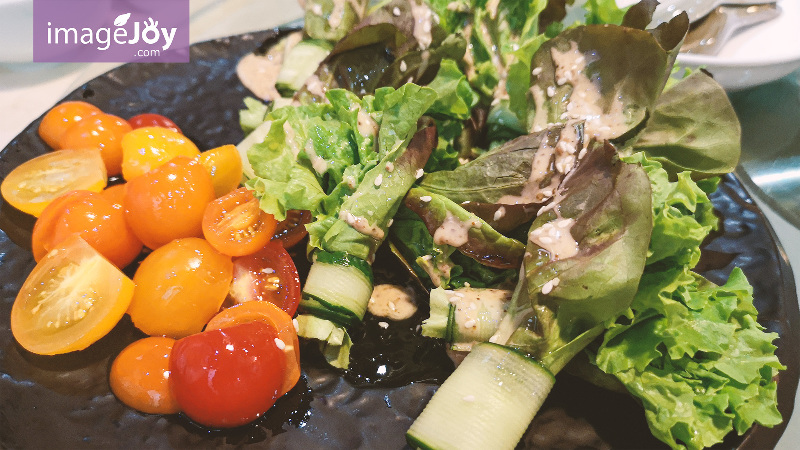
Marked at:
<point>168,202</point>
<point>115,194</point>
<point>225,166</point>
<point>292,230</point>
<point>267,275</point>
<point>94,218</point>
<point>227,377</point>
<point>235,224</point>
<point>144,149</point>
<point>282,322</point>
<point>61,117</point>
<point>139,376</point>
<point>72,298</point>
<point>32,185</point>
<point>103,131</point>
<point>179,287</point>
<point>153,120</point>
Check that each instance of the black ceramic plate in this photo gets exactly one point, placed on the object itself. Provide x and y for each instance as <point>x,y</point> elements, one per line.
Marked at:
<point>65,402</point>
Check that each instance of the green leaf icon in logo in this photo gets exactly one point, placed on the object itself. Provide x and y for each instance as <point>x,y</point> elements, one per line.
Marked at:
<point>122,19</point>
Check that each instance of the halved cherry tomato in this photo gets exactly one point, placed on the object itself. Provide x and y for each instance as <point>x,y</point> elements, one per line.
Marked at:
<point>282,322</point>
<point>144,149</point>
<point>227,377</point>
<point>292,230</point>
<point>116,195</point>
<point>32,185</point>
<point>94,218</point>
<point>153,120</point>
<point>179,287</point>
<point>168,202</point>
<point>267,275</point>
<point>72,298</point>
<point>225,166</point>
<point>61,117</point>
<point>235,224</point>
<point>103,131</point>
<point>140,376</point>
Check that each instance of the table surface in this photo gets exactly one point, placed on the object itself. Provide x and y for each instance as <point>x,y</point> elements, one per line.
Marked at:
<point>27,90</point>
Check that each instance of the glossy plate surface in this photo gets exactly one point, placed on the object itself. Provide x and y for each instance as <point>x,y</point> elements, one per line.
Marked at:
<point>65,401</point>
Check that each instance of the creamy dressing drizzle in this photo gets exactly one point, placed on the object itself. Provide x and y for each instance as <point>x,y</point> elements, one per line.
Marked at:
<point>392,302</point>
<point>556,238</point>
<point>315,86</point>
<point>586,100</point>
<point>290,139</point>
<point>453,231</point>
<point>362,225</point>
<point>317,162</point>
<point>259,73</point>
<point>366,125</point>
<point>423,17</point>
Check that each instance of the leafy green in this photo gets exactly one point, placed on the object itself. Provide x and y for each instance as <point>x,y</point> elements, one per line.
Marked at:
<point>331,20</point>
<point>695,357</point>
<point>682,136</point>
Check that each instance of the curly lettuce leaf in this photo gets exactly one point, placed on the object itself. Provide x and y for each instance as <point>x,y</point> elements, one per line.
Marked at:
<point>694,355</point>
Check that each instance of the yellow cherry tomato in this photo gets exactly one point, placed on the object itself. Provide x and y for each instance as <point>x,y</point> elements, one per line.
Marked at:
<point>225,166</point>
<point>144,149</point>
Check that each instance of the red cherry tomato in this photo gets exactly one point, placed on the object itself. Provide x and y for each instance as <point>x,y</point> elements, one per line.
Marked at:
<point>267,275</point>
<point>235,224</point>
<point>153,120</point>
<point>292,230</point>
<point>227,377</point>
<point>168,202</point>
<point>94,218</point>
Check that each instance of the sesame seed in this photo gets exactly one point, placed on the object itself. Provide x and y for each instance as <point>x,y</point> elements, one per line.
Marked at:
<point>396,11</point>
<point>426,198</point>
<point>383,325</point>
<point>470,323</point>
<point>392,306</point>
<point>420,173</point>
<point>547,288</point>
<point>296,325</point>
<point>389,166</point>
<point>379,180</point>
<point>536,72</point>
<point>403,66</point>
<point>280,344</point>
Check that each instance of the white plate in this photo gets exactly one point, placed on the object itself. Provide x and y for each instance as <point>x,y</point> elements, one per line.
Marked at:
<point>758,55</point>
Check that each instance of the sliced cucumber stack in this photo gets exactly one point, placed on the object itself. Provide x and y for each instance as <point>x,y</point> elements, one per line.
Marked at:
<point>338,288</point>
<point>488,402</point>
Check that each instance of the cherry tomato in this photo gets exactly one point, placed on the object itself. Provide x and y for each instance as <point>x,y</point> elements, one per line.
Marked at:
<point>225,166</point>
<point>227,377</point>
<point>282,322</point>
<point>140,376</point>
<point>292,230</point>
<point>235,224</point>
<point>144,149</point>
<point>267,275</point>
<point>168,202</point>
<point>61,117</point>
<point>103,131</point>
<point>179,287</point>
<point>153,120</point>
<point>32,185</point>
<point>72,298</point>
<point>116,195</point>
<point>94,218</point>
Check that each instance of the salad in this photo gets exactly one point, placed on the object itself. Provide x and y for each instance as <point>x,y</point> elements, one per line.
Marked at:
<point>548,190</point>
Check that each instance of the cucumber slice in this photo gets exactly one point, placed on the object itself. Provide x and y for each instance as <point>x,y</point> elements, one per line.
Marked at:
<point>300,63</point>
<point>343,289</point>
<point>465,316</point>
<point>488,402</point>
<point>436,325</point>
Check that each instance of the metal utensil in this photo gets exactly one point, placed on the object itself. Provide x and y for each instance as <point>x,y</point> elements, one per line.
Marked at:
<point>710,35</point>
<point>696,9</point>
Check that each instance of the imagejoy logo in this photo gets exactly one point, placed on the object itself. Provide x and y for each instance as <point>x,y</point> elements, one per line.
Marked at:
<point>111,30</point>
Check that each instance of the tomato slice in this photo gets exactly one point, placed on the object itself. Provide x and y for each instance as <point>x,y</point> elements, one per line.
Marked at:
<point>139,376</point>
<point>32,185</point>
<point>282,322</point>
<point>267,275</point>
<point>292,230</point>
<point>225,166</point>
<point>227,377</point>
<point>62,117</point>
<point>72,298</point>
<point>235,224</point>
<point>153,120</point>
<point>92,216</point>
<point>179,287</point>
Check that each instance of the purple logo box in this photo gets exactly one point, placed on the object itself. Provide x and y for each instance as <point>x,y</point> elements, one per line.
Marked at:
<point>111,31</point>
